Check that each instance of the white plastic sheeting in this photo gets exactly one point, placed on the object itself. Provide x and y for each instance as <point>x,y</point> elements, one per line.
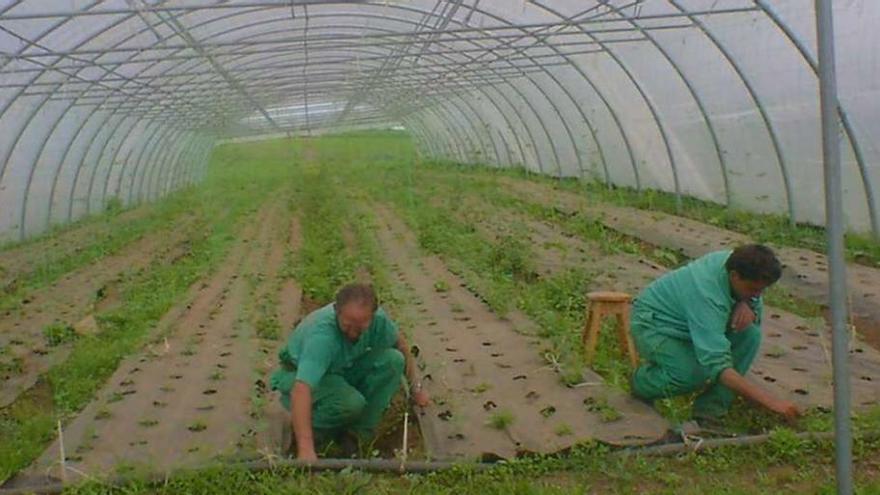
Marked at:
<point>716,99</point>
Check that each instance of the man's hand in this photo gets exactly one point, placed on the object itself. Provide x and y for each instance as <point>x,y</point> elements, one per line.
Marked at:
<point>742,316</point>
<point>307,455</point>
<point>421,397</point>
<point>786,408</point>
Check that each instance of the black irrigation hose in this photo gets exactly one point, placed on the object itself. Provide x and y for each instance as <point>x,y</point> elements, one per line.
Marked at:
<point>368,465</point>
<point>714,443</point>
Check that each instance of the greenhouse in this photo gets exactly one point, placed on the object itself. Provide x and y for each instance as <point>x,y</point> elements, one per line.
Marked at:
<point>184,183</point>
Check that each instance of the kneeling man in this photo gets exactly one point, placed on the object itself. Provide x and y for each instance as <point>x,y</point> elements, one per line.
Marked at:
<point>698,329</point>
<point>340,369</point>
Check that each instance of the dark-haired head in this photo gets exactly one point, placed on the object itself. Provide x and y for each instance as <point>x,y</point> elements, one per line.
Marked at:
<point>752,268</point>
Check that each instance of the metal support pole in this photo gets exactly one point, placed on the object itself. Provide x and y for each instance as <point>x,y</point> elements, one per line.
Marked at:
<point>834,227</point>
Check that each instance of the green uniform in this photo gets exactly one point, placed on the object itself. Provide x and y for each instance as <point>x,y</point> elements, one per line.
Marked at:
<point>681,328</point>
<point>352,382</point>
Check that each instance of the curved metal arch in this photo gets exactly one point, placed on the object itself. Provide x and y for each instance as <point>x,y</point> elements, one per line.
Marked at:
<point>113,161</point>
<point>651,108</point>
<point>22,230</point>
<point>4,160</point>
<point>158,160</point>
<point>771,131</point>
<point>722,162</point>
<point>421,148</point>
<point>464,137</point>
<point>117,129</point>
<point>608,107</point>
<point>201,161</point>
<point>99,132</point>
<point>164,160</point>
<point>168,175</point>
<point>483,126</point>
<point>36,110</point>
<point>512,106</point>
<point>358,27</point>
<point>422,145</point>
<point>143,165</point>
<point>184,164</point>
<point>188,163</point>
<point>540,90</point>
<point>198,158</point>
<point>844,116</point>
<point>537,115</point>
<point>135,167</point>
<point>441,108</point>
<point>453,139</point>
<point>436,145</point>
<point>555,108</point>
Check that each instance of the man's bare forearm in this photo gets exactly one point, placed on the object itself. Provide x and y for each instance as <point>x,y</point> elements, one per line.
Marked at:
<point>301,416</point>
<point>740,385</point>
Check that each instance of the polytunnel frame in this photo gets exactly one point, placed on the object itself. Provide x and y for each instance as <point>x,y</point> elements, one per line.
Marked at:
<point>111,170</point>
<point>101,154</point>
<point>458,139</point>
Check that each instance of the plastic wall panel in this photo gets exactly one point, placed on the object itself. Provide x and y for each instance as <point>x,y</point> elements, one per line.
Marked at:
<point>38,202</point>
<point>30,136</point>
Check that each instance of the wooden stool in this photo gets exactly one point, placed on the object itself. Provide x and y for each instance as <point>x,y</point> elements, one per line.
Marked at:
<point>604,304</point>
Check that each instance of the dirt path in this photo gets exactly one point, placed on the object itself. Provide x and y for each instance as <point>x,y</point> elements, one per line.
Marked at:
<point>86,292</point>
<point>805,271</point>
<point>480,370</point>
<point>794,360</point>
<point>189,397</point>
<point>282,299</point>
<point>19,261</point>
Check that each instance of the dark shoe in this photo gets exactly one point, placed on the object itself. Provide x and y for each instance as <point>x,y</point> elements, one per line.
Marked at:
<point>349,445</point>
<point>712,426</point>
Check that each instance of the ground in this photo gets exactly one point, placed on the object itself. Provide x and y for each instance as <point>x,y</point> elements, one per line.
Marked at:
<point>190,298</point>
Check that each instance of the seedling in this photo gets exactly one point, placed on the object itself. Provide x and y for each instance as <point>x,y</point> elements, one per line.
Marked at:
<point>441,286</point>
<point>197,425</point>
<point>776,352</point>
<point>501,420</point>
<point>562,430</point>
<point>148,423</point>
<point>481,388</point>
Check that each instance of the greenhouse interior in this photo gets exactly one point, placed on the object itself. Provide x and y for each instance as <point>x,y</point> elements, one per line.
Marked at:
<point>439,246</point>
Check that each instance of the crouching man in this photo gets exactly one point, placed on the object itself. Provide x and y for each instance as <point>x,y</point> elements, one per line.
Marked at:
<point>697,329</point>
<point>340,368</point>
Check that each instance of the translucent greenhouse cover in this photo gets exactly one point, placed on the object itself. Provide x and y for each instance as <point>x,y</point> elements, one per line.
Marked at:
<point>123,100</point>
